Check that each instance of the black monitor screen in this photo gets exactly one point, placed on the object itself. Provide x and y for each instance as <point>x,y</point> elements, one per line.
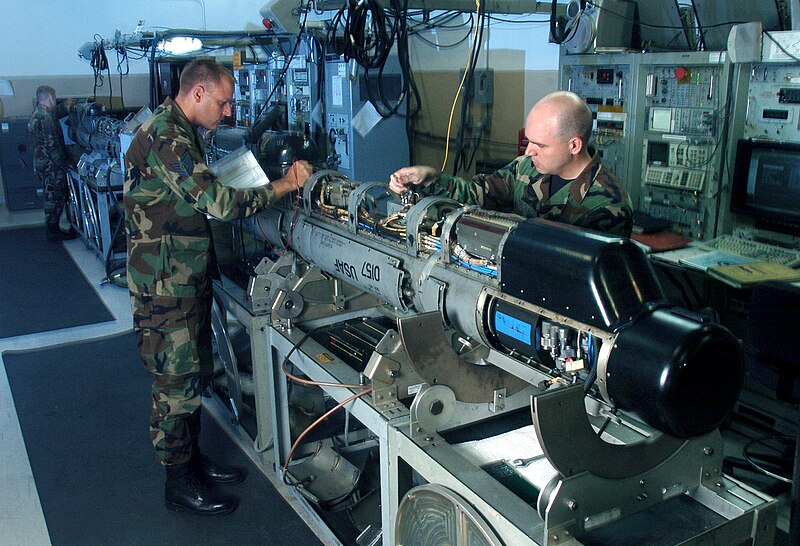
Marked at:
<point>658,152</point>
<point>766,182</point>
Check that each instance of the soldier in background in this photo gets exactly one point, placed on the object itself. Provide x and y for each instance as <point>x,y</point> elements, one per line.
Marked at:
<point>559,178</point>
<point>50,160</point>
<point>168,193</point>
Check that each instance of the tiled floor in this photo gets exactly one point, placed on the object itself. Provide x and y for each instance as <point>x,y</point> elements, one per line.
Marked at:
<point>21,520</point>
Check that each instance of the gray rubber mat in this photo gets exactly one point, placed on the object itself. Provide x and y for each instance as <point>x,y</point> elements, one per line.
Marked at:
<point>41,288</point>
<point>83,409</point>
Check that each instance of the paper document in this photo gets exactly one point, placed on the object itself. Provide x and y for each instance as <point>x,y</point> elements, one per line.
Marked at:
<point>746,274</point>
<point>240,170</point>
<point>366,119</point>
<point>521,443</point>
<point>676,255</point>
<point>714,258</point>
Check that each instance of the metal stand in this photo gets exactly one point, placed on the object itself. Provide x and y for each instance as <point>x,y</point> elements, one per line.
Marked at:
<point>91,207</point>
<point>233,300</point>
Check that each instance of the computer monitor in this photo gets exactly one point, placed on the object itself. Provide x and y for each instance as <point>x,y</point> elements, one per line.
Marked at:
<point>766,184</point>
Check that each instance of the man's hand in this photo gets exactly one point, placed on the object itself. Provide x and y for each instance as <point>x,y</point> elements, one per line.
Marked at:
<point>414,175</point>
<point>294,179</point>
<point>299,172</point>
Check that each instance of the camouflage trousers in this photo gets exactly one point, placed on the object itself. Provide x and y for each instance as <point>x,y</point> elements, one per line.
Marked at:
<point>55,194</point>
<point>174,338</point>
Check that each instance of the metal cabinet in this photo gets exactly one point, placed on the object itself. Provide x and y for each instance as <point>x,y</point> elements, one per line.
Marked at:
<point>23,190</point>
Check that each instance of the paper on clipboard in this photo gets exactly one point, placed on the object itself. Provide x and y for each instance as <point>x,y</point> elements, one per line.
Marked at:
<point>240,170</point>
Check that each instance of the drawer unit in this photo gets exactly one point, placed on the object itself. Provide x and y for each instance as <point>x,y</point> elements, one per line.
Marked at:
<point>23,189</point>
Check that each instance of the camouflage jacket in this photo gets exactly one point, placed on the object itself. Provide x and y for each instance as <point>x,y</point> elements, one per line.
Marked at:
<point>49,152</point>
<point>595,200</point>
<point>168,192</point>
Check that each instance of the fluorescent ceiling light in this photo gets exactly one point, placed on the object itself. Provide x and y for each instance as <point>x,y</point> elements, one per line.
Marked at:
<point>180,45</point>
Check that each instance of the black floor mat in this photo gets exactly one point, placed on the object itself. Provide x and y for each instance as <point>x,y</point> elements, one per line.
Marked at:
<point>83,409</point>
<point>41,288</point>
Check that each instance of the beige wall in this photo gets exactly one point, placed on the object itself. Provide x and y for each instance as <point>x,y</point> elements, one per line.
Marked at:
<point>517,87</point>
<point>134,89</point>
<point>135,92</point>
<point>515,92</point>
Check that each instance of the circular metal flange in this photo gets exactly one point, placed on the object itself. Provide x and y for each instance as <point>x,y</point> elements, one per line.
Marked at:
<point>291,305</point>
<point>433,407</point>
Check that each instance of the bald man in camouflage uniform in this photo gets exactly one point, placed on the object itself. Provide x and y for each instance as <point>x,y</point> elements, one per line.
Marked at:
<point>50,160</point>
<point>559,178</point>
<point>169,191</point>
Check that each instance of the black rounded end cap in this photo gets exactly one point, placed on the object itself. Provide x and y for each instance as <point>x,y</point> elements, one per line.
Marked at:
<point>679,375</point>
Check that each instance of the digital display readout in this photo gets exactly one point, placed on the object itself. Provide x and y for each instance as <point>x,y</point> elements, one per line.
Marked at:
<point>512,327</point>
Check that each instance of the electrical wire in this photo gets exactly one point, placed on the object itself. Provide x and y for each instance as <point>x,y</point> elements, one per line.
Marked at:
<point>368,34</point>
<point>560,36</point>
<point>115,275</point>
<point>537,22</point>
<point>460,88</point>
<point>322,418</point>
<point>287,63</point>
<point>363,390</point>
<point>294,217</point>
<point>780,46</point>
<point>388,107</point>
<point>416,28</point>
<point>413,101</point>
<point>461,161</point>
<point>153,78</point>
<point>758,465</point>
<point>122,57</point>
<point>98,62</point>
<point>110,85</point>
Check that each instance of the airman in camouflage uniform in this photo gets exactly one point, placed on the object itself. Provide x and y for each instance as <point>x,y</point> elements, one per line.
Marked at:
<point>50,160</point>
<point>559,178</point>
<point>169,192</point>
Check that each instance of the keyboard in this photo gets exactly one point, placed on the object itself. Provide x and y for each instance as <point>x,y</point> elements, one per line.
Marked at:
<point>762,252</point>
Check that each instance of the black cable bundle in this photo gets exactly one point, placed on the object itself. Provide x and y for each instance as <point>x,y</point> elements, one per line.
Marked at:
<point>411,94</point>
<point>368,35</point>
<point>460,161</point>
<point>98,62</point>
<point>122,58</point>
<point>372,35</point>
<point>153,68</point>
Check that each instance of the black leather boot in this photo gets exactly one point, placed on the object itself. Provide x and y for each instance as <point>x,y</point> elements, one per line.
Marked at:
<point>205,468</point>
<point>185,491</point>
<point>216,472</point>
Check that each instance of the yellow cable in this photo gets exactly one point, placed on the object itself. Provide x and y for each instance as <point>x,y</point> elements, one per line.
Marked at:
<point>458,92</point>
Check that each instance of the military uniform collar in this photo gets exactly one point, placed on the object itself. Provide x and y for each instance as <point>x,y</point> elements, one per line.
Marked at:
<point>181,120</point>
<point>578,187</point>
